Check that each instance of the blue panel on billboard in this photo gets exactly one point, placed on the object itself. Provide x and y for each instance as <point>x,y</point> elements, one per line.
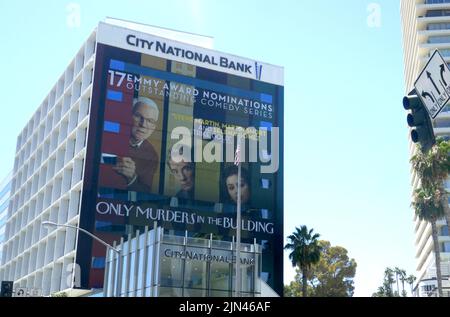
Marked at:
<point>266,125</point>
<point>114,95</point>
<point>112,127</point>
<point>266,98</point>
<point>265,183</point>
<point>117,65</point>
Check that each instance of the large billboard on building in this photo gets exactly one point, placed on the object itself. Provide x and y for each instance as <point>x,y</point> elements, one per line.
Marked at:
<point>162,139</point>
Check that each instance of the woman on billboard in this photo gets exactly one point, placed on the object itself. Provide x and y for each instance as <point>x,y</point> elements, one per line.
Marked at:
<point>230,189</point>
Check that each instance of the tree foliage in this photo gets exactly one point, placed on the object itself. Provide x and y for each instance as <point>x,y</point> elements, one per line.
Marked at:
<point>305,252</point>
<point>331,276</point>
<point>386,289</point>
<point>431,199</point>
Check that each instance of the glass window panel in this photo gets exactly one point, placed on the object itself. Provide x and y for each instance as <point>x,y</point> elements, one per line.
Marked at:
<point>173,239</point>
<point>149,268</point>
<point>170,292</point>
<point>214,293</point>
<point>171,268</point>
<point>198,242</point>
<point>140,268</point>
<point>131,285</point>
<point>220,278</point>
<point>446,247</point>
<point>189,292</point>
<point>247,272</point>
<point>195,275</point>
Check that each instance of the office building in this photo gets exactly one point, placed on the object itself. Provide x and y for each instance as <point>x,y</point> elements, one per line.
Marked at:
<point>99,154</point>
<point>426,27</point>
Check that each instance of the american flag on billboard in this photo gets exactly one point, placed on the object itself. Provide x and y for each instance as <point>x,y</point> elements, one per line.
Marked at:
<point>237,156</point>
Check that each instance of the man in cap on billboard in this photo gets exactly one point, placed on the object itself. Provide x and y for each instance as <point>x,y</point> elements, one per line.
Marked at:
<point>139,168</point>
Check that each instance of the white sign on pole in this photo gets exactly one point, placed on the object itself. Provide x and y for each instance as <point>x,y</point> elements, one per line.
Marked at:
<point>433,84</point>
<point>21,292</point>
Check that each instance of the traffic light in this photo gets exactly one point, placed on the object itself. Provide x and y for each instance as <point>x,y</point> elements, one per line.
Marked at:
<point>420,122</point>
<point>7,289</point>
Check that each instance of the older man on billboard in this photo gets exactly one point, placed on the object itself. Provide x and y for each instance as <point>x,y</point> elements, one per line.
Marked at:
<point>141,164</point>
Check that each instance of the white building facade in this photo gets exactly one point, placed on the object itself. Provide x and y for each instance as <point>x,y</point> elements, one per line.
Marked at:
<point>426,27</point>
<point>5,191</point>
<point>47,180</point>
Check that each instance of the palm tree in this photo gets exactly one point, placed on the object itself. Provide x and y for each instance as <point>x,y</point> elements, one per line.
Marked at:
<point>381,292</point>
<point>433,169</point>
<point>305,251</point>
<point>388,281</point>
<point>402,275</point>
<point>428,207</point>
<point>397,274</point>
<point>411,279</point>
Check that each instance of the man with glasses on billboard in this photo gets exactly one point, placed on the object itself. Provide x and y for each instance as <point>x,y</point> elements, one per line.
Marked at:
<point>139,168</point>
<point>184,175</point>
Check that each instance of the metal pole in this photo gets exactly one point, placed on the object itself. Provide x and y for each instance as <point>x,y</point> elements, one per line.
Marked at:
<point>119,268</point>
<point>238,223</point>
<point>50,223</point>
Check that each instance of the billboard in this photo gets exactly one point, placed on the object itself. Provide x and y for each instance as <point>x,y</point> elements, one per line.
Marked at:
<point>161,148</point>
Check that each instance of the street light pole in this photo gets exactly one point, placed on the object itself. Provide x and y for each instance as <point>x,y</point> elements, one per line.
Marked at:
<point>108,246</point>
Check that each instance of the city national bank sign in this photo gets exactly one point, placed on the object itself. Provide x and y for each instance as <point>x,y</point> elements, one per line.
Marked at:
<point>158,107</point>
<point>157,46</point>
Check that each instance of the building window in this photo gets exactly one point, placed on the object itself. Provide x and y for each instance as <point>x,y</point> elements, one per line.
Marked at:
<point>438,26</point>
<point>445,246</point>
<point>436,1</point>
<point>438,13</point>
<point>444,231</point>
<point>439,39</point>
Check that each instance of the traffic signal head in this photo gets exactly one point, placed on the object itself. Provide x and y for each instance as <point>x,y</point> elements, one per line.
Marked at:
<point>420,122</point>
<point>7,289</point>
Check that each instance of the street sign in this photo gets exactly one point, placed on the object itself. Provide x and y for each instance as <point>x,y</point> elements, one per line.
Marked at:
<point>433,84</point>
<point>21,292</point>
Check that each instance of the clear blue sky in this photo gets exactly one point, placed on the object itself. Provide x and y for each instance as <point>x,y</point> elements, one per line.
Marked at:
<point>346,166</point>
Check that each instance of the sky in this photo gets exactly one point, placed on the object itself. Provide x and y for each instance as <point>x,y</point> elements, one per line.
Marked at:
<point>346,145</point>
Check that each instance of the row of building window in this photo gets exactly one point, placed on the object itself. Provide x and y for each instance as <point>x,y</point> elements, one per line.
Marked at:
<point>438,13</point>
<point>438,39</point>
<point>436,1</point>
<point>5,189</point>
